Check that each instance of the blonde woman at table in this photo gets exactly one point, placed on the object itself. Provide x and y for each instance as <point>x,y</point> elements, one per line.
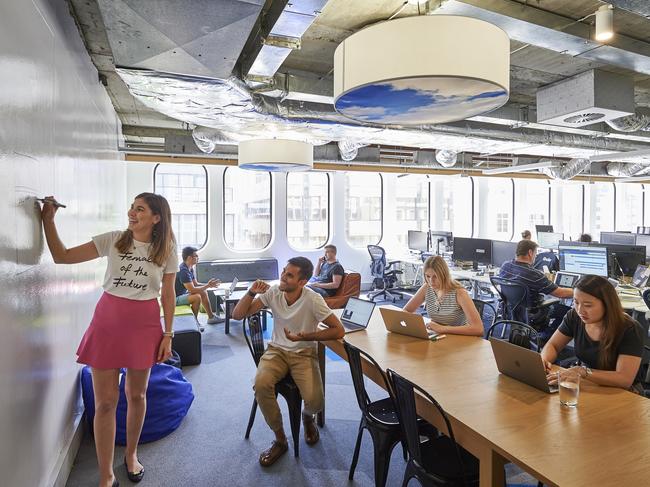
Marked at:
<point>448,304</point>
<point>608,342</point>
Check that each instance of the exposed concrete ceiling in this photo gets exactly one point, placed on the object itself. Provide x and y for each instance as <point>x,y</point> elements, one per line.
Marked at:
<point>210,35</point>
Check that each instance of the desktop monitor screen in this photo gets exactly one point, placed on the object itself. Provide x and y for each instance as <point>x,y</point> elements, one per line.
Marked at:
<point>418,241</point>
<point>624,259</point>
<point>644,241</point>
<point>543,229</point>
<point>502,252</point>
<point>584,260</point>
<point>572,243</point>
<point>548,240</point>
<point>441,241</point>
<point>473,249</point>
<point>618,238</point>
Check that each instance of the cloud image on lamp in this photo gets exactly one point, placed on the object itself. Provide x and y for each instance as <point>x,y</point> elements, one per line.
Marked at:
<point>421,100</point>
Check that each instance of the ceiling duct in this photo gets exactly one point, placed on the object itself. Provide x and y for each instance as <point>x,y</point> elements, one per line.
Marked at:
<point>446,158</point>
<point>631,123</point>
<point>568,171</point>
<point>349,149</point>
<point>587,98</point>
<point>285,36</point>
<point>621,169</point>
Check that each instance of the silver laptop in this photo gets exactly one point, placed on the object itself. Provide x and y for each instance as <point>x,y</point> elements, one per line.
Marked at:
<point>233,285</point>
<point>405,323</point>
<point>521,364</point>
<point>356,314</point>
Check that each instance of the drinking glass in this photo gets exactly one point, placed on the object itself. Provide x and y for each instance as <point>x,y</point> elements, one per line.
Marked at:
<point>569,384</point>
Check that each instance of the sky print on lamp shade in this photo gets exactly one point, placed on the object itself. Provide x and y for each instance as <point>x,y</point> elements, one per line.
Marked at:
<point>419,101</point>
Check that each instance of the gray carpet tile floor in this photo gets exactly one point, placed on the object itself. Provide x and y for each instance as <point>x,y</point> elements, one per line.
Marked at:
<point>209,449</point>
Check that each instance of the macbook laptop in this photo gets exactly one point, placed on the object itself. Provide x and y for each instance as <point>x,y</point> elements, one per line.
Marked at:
<point>356,314</point>
<point>405,323</point>
<point>521,364</point>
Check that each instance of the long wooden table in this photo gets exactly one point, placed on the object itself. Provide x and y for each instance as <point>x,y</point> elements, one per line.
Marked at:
<point>605,441</point>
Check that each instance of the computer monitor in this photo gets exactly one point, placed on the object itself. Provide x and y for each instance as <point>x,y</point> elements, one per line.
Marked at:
<point>618,238</point>
<point>477,250</point>
<point>624,259</point>
<point>441,241</point>
<point>543,229</point>
<point>418,241</point>
<point>502,252</point>
<point>584,260</point>
<point>644,241</point>
<point>572,243</point>
<point>549,240</point>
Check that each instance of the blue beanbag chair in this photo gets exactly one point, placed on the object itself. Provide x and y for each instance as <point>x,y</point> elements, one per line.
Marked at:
<point>169,397</point>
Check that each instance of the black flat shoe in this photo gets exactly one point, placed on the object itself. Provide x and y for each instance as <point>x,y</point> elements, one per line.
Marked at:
<point>134,477</point>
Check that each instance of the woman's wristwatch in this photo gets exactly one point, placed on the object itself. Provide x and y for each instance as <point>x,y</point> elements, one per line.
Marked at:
<point>169,334</point>
<point>587,370</point>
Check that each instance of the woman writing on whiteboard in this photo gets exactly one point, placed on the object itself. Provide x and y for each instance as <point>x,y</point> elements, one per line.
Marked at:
<point>448,304</point>
<point>125,328</point>
<point>608,342</point>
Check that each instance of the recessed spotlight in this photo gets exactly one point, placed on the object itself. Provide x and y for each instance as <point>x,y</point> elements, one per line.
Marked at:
<point>604,23</point>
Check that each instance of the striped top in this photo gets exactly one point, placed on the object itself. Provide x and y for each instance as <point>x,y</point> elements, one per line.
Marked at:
<point>446,311</point>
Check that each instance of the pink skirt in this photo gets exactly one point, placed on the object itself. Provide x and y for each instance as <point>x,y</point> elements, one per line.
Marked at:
<point>123,333</point>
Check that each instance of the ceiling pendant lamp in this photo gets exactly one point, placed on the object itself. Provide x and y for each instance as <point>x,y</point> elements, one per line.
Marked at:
<point>277,155</point>
<point>422,70</point>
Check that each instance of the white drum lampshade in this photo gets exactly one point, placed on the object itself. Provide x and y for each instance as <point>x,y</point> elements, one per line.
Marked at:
<point>422,70</point>
<point>276,155</point>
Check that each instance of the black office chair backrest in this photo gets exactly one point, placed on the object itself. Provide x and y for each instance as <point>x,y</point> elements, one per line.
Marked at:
<point>354,359</point>
<point>514,297</point>
<point>486,310</point>
<point>404,391</point>
<point>254,335</point>
<point>377,260</point>
<point>517,333</point>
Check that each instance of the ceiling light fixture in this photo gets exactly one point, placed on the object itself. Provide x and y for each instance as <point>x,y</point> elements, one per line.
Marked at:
<point>422,70</point>
<point>520,168</point>
<point>604,23</point>
<point>276,155</point>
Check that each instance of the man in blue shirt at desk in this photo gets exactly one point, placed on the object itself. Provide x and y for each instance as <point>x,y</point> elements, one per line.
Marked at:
<point>189,291</point>
<point>328,273</point>
<point>520,270</point>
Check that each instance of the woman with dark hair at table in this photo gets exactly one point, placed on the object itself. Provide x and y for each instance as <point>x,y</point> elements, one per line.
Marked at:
<point>608,342</point>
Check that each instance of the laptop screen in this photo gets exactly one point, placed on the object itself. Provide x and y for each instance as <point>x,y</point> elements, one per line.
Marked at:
<point>358,311</point>
<point>640,278</point>
<point>233,285</point>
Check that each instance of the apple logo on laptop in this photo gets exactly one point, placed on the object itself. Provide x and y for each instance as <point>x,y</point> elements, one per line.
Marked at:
<point>403,323</point>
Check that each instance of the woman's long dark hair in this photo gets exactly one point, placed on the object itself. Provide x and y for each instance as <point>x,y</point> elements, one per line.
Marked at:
<point>163,242</point>
<point>615,321</point>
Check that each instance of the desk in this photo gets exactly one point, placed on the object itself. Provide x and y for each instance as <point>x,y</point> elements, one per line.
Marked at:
<point>603,442</point>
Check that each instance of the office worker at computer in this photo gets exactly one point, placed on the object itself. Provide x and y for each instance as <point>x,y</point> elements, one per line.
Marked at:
<point>448,304</point>
<point>297,311</point>
<point>526,235</point>
<point>584,237</point>
<point>607,341</point>
<point>520,270</point>
<point>328,274</point>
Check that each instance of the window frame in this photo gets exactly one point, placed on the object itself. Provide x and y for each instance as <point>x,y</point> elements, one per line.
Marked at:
<point>207,192</point>
<point>329,212</point>
<point>223,213</point>
<point>381,209</point>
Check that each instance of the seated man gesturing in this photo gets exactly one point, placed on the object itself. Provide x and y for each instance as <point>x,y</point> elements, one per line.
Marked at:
<point>297,311</point>
<point>189,291</point>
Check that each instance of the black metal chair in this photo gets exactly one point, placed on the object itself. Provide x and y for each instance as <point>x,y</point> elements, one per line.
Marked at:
<point>382,275</point>
<point>517,333</point>
<point>378,417</point>
<point>287,388</point>
<point>440,461</point>
<point>487,311</point>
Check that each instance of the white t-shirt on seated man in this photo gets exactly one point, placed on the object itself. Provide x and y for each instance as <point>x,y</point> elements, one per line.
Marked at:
<point>297,311</point>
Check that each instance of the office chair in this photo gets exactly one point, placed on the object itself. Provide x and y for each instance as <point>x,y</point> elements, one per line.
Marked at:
<point>514,299</point>
<point>487,311</point>
<point>383,275</point>
<point>517,333</point>
<point>287,388</point>
<point>440,461</point>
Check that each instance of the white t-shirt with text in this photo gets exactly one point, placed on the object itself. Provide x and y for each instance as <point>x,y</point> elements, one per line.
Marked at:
<point>302,316</point>
<point>132,274</point>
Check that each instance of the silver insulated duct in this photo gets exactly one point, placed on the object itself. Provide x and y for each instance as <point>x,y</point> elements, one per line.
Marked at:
<point>569,171</point>
<point>631,123</point>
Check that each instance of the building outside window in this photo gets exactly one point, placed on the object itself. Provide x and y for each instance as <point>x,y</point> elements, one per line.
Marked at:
<point>531,204</point>
<point>495,208</point>
<point>629,207</point>
<point>451,205</point>
<point>411,206</point>
<point>185,188</point>
<point>363,208</point>
<point>307,209</point>
<point>600,217</point>
<point>247,209</point>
